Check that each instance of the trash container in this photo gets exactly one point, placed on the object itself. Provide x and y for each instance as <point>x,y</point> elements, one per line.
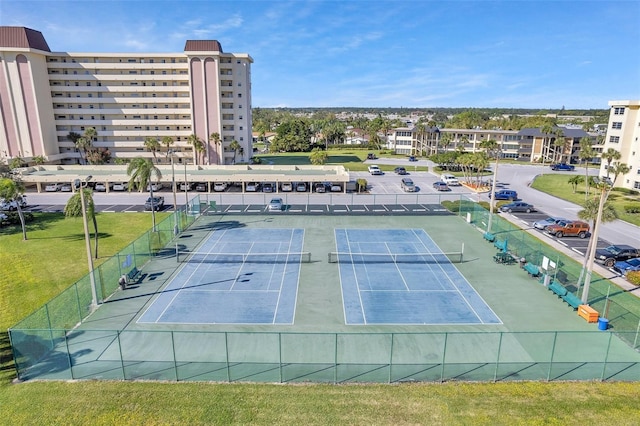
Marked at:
<point>603,323</point>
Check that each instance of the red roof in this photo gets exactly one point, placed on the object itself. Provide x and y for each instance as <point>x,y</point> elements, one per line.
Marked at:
<point>203,46</point>
<point>22,37</point>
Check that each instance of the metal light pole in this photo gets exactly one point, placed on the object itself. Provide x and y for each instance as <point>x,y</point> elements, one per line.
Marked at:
<point>175,201</point>
<point>80,185</point>
<point>186,196</point>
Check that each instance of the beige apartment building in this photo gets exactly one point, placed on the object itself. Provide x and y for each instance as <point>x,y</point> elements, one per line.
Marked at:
<point>623,135</point>
<point>126,97</point>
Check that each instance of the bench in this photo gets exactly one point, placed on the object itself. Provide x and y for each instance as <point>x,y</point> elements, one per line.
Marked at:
<point>500,245</point>
<point>572,300</point>
<point>132,275</point>
<point>489,237</point>
<point>558,289</point>
<point>532,269</point>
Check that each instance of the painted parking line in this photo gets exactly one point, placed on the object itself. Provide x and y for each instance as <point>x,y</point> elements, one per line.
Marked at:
<point>562,242</point>
<point>577,251</point>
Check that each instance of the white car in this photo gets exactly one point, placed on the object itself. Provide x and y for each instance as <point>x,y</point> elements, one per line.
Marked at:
<point>251,187</point>
<point>52,187</point>
<point>156,186</point>
<point>123,186</point>
<point>219,186</point>
<point>186,186</point>
<point>301,187</point>
<point>449,179</point>
<point>13,204</point>
<point>375,170</point>
<point>286,187</point>
<point>336,188</point>
<point>65,187</point>
<point>541,224</point>
<point>101,187</point>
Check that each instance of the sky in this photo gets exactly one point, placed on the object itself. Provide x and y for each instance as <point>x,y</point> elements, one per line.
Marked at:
<point>361,53</point>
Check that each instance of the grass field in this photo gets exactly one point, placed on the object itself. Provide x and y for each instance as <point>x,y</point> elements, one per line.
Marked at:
<point>558,185</point>
<point>35,270</point>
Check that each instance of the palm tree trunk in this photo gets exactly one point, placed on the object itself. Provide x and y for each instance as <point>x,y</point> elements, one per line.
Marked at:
<point>95,228</point>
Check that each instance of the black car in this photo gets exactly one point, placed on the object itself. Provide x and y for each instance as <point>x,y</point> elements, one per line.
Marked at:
<point>400,170</point>
<point>608,256</point>
<point>155,203</point>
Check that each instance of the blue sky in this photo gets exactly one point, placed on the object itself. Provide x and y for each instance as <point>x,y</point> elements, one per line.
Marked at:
<point>512,54</point>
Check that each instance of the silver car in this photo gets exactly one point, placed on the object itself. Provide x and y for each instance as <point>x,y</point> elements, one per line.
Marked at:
<point>541,224</point>
<point>275,205</point>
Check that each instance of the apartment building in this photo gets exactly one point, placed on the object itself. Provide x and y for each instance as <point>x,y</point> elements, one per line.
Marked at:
<point>126,97</point>
<point>623,135</point>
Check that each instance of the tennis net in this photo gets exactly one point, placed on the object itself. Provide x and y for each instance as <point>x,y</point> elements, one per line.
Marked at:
<point>195,257</point>
<point>360,258</point>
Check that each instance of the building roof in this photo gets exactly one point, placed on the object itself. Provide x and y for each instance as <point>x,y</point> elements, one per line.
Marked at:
<point>567,132</point>
<point>203,46</point>
<point>21,37</point>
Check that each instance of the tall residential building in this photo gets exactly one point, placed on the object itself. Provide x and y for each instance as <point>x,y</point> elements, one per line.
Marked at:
<point>623,135</point>
<point>126,97</point>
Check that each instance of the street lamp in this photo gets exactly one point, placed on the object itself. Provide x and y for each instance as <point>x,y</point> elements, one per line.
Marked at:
<point>80,185</point>
<point>175,201</point>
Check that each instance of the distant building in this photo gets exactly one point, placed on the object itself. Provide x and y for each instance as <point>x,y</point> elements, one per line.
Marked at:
<point>126,97</point>
<point>623,135</point>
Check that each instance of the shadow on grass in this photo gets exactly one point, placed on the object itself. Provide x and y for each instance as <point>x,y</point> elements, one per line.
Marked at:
<point>40,222</point>
<point>7,365</point>
<point>79,237</point>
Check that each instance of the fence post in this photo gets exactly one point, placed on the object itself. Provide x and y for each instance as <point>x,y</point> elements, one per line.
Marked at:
<point>66,344</point>
<point>444,356</point>
<point>124,373</point>
<point>391,357</point>
<point>553,349</point>
<point>46,310</point>
<point>280,355</point>
<point>75,285</point>
<point>175,362</point>
<point>495,373</point>
<point>335,359</point>
<point>606,358</point>
<point>226,349</point>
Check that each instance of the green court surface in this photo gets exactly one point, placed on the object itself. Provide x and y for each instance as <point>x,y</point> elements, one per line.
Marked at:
<point>539,337</point>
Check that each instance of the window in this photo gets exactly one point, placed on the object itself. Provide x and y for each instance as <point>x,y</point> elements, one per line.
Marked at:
<point>616,125</point>
<point>636,185</point>
<point>614,139</point>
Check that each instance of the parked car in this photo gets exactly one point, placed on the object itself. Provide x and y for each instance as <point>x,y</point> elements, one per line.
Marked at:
<point>412,158</point>
<point>541,224</point>
<point>12,205</point>
<point>3,218</point>
<point>267,187</point>
<point>201,187</point>
<point>608,256</point>
<point>101,187</point>
<point>301,187</point>
<point>375,170</point>
<point>122,186</point>
<point>518,206</point>
<point>155,203</point>
<point>505,194</point>
<point>563,167</point>
<point>449,179</point>
<point>251,187</point>
<point>569,229</point>
<point>336,188</point>
<point>186,186</point>
<point>320,187</point>
<point>441,186</point>
<point>219,186</point>
<point>156,186</point>
<point>371,156</point>
<point>52,187</point>
<point>400,170</point>
<point>65,187</point>
<point>623,267</point>
<point>275,205</point>
<point>407,185</point>
<point>286,187</point>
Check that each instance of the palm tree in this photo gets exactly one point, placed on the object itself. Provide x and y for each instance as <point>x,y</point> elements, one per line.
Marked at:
<point>235,146</point>
<point>142,171</point>
<point>318,156</point>
<point>75,137</point>
<point>492,148</point>
<point>619,169</point>
<point>559,145</point>
<point>215,138</point>
<point>445,140</point>
<point>546,130</point>
<point>167,141</point>
<point>609,155</point>
<point>12,190</point>
<point>575,181</point>
<point>153,146</point>
<point>586,154</point>
<point>197,145</point>
<point>74,209</point>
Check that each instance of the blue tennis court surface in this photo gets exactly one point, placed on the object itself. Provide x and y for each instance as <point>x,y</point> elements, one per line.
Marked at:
<point>238,276</point>
<point>432,291</point>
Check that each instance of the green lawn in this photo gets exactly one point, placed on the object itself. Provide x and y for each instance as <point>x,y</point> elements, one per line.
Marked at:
<point>53,257</point>
<point>558,185</point>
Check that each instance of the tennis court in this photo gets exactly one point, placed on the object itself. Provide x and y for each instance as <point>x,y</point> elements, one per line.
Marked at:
<point>236,276</point>
<point>400,276</point>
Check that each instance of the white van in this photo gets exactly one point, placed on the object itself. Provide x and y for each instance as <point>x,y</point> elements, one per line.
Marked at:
<point>450,180</point>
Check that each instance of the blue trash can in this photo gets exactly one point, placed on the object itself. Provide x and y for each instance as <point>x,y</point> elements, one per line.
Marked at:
<point>603,323</point>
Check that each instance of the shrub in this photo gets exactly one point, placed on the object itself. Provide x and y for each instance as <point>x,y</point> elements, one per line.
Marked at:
<point>452,206</point>
<point>632,208</point>
<point>634,277</point>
